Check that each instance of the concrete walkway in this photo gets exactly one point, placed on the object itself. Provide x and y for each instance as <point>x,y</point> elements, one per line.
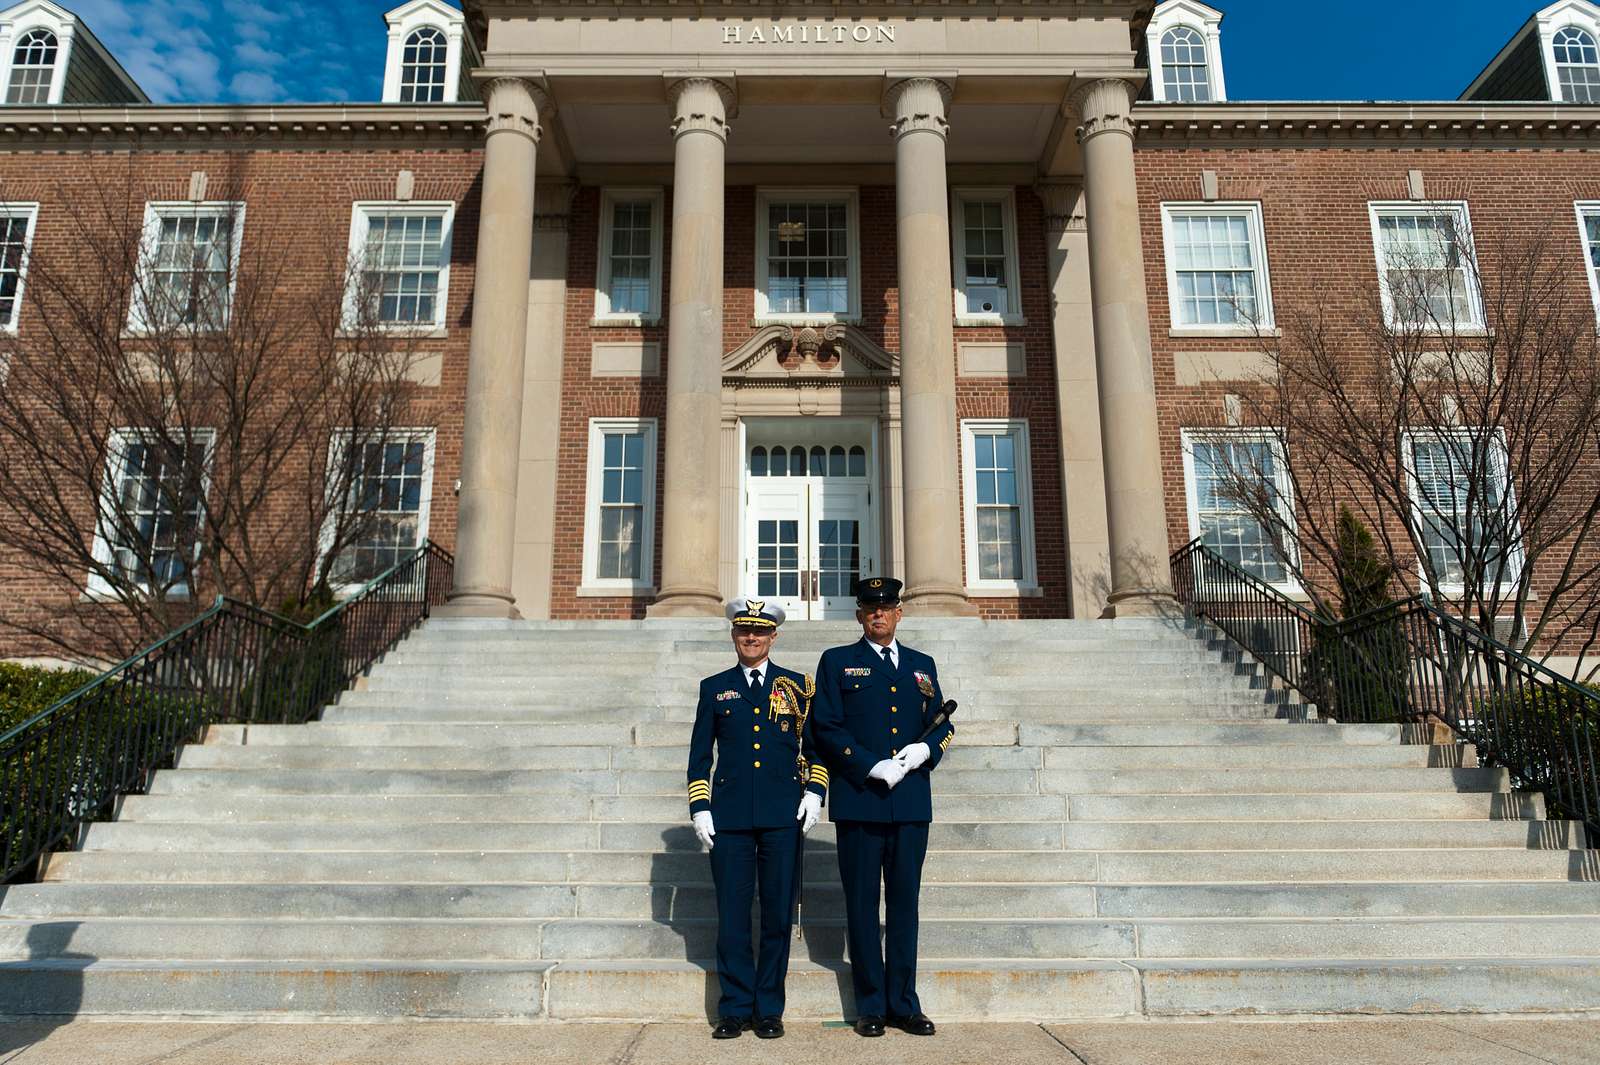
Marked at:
<point>1387,1041</point>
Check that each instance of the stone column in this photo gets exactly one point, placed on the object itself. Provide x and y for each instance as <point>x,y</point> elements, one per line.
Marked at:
<point>492,429</point>
<point>932,497</point>
<point>1136,513</point>
<point>692,496</point>
<point>1083,475</point>
<point>541,401</point>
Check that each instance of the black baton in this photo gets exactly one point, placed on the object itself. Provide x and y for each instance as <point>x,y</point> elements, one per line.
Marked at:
<point>939,719</point>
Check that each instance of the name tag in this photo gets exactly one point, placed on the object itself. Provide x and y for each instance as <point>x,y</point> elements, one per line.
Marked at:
<point>858,671</point>
<point>723,697</point>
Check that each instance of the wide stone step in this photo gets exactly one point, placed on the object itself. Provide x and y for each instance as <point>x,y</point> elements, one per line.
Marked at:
<point>971,714</point>
<point>1354,835</point>
<point>949,781</point>
<point>666,869</point>
<point>1141,681</point>
<point>457,699</point>
<point>1367,806</point>
<point>1164,734</point>
<point>1132,662</point>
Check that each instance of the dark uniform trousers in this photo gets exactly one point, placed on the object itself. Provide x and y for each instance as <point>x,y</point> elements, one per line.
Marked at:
<point>865,711</point>
<point>753,797</point>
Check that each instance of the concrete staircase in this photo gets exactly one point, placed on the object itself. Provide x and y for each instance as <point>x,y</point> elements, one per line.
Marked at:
<point>1131,821</point>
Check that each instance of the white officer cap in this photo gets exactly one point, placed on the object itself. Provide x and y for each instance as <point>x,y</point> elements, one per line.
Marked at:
<point>755,613</point>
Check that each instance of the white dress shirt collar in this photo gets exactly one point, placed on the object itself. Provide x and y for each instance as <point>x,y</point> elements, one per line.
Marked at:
<point>744,670</point>
<point>877,650</point>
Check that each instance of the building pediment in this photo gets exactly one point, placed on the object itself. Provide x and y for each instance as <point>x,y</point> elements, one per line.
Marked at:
<point>831,353</point>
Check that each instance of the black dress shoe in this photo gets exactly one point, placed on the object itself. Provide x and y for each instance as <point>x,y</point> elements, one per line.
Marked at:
<point>916,1024</point>
<point>769,1027</point>
<point>869,1026</point>
<point>730,1027</point>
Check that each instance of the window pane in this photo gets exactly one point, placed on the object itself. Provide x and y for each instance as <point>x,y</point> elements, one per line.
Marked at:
<point>807,258</point>
<point>1214,269</point>
<point>403,260</point>
<point>1226,524</point>
<point>758,462</point>
<point>422,66</point>
<point>858,462</point>
<point>385,498</point>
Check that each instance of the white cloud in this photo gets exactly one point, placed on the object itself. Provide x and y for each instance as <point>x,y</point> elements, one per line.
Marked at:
<point>254,85</point>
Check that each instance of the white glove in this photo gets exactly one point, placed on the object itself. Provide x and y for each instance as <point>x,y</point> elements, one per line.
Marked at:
<point>810,810</point>
<point>913,756</point>
<point>889,771</point>
<point>703,828</point>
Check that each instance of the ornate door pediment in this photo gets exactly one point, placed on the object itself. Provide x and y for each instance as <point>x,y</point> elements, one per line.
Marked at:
<point>831,354</point>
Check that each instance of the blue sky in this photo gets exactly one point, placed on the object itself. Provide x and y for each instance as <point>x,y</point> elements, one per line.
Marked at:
<point>200,51</point>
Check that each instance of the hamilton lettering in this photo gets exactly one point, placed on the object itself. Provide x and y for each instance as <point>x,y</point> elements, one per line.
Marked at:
<point>808,33</point>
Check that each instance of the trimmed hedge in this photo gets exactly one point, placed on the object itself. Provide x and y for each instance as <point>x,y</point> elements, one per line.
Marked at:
<point>29,690</point>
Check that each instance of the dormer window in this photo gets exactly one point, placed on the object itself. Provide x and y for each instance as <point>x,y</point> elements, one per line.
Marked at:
<point>1183,44</point>
<point>33,68</point>
<point>1577,65</point>
<point>1183,66</point>
<point>422,68</point>
<point>431,55</point>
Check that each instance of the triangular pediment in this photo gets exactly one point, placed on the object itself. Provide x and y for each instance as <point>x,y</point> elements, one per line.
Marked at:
<point>818,352</point>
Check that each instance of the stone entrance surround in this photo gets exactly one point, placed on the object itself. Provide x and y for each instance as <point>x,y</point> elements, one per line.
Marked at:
<point>1111,461</point>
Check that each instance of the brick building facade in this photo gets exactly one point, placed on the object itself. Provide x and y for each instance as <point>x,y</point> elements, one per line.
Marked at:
<point>605,445</point>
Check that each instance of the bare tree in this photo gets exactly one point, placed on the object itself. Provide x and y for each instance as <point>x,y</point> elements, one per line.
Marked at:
<point>183,410</point>
<point>1456,411</point>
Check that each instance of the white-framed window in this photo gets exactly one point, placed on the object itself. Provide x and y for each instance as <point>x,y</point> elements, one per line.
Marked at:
<point>1217,463</point>
<point>33,67</point>
<point>620,507</point>
<point>423,63</point>
<point>1589,233</point>
<point>1427,268</point>
<point>983,233</point>
<point>628,273</point>
<point>188,261</point>
<point>390,492</point>
<point>808,255</point>
<point>1577,65</point>
<point>151,507</point>
<point>1217,278</point>
<point>400,254</point>
<point>997,495</point>
<point>1183,43</point>
<point>1184,76</point>
<point>16,238</point>
<point>1455,516</point>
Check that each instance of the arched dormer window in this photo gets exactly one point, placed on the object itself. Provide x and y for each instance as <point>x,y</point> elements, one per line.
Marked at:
<point>1185,76</point>
<point>1577,65</point>
<point>422,67</point>
<point>33,68</point>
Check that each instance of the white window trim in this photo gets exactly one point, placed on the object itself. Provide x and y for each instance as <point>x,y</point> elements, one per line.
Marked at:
<point>1204,20</point>
<point>1027,584</point>
<point>30,211</point>
<point>1290,585</point>
<point>403,22</point>
<point>1006,197</point>
<point>1250,210</point>
<point>39,19</point>
<point>1552,20</point>
<point>96,587</point>
<point>1376,209</point>
<point>609,198</point>
<point>1586,209</point>
<point>644,584</point>
<point>850,197</point>
<point>341,440</point>
<point>360,222</point>
<point>154,211</point>
<point>1517,560</point>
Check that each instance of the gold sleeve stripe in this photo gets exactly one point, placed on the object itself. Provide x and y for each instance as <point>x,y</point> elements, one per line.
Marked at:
<point>944,744</point>
<point>819,775</point>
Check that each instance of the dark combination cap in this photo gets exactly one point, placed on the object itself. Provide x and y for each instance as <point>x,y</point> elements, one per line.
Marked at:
<point>877,591</point>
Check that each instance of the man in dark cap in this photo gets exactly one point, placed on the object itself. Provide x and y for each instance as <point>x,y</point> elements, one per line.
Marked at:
<point>767,793</point>
<point>875,699</point>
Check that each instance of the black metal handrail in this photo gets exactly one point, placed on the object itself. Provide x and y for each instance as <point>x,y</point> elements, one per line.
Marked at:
<point>235,662</point>
<point>1410,662</point>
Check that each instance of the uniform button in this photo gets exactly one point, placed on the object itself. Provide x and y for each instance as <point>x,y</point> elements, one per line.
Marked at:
<point>894,732</point>
<point>758,728</point>
<point>893,688</point>
<point>894,709</point>
<point>847,752</point>
<point>758,765</point>
<point>894,750</point>
<point>758,746</point>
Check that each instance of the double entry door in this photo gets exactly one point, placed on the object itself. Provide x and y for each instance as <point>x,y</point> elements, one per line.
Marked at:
<point>808,535</point>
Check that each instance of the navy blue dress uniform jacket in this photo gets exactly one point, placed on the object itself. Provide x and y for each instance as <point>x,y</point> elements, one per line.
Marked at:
<point>866,711</point>
<point>757,781</point>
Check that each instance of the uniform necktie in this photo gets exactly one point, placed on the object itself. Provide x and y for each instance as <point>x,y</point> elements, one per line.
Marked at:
<point>888,661</point>
<point>755,680</point>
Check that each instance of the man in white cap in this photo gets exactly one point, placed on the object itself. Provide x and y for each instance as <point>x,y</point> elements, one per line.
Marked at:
<point>753,813</point>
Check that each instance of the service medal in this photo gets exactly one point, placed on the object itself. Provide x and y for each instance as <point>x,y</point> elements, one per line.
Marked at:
<point>924,684</point>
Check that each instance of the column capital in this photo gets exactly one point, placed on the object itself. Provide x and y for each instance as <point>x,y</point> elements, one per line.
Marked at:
<point>552,204</point>
<point>515,105</point>
<point>1102,105</point>
<point>918,102</point>
<point>702,104</point>
<point>1063,205</point>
